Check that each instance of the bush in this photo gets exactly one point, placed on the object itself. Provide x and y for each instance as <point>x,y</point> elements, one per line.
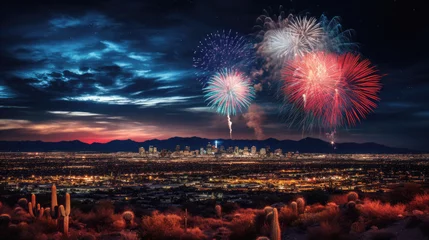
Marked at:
<point>381,214</point>
<point>420,202</point>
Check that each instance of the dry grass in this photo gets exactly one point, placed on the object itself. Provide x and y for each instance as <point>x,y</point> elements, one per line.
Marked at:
<point>420,202</point>
<point>381,214</point>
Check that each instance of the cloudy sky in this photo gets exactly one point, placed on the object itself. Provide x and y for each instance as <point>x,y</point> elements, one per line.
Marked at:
<point>103,70</point>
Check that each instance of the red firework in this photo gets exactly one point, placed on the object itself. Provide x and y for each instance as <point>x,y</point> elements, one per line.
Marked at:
<point>336,89</point>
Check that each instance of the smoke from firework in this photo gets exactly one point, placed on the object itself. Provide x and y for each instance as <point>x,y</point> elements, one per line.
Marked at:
<point>254,119</point>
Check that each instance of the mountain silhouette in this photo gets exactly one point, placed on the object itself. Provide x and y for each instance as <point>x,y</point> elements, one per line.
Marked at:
<point>306,145</point>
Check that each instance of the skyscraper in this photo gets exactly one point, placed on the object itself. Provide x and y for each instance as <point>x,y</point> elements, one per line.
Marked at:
<point>209,148</point>
<point>253,150</point>
<point>262,152</point>
<point>236,150</point>
<point>150,149</point>
<point>177,148</point>
<point>142,151</point>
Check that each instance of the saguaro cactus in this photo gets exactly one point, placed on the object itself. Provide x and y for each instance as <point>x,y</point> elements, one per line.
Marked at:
<point>275,226</point>
<point>65,213</point>
<point>34,208</point>
<point>301,205</point>
<point>352,196</point>
<point>294,207</point>
<point>128,217</point>
<point>218,210</point>
<point>54,203</point>
<point>5,220</point>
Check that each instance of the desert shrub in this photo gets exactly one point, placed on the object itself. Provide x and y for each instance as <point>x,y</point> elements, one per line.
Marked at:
<point>327,215</point>
<point>287,216</point>
<point>420,202</point>
<point>381,214</point>
<point>243,225</point>
<point>206,224</point>
<point>167,226</point>
<point>193,234</point>
<point>315,208</point>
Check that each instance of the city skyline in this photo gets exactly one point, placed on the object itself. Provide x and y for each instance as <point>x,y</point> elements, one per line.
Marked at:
<point>102,71</point>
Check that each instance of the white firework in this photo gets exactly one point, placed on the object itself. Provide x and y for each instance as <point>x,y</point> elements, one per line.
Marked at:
<point>300,36</point>
<point>308,32</point>
<point>279,44</point>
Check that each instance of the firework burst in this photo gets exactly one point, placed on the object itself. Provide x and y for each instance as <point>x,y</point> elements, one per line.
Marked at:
<point>297,37</point>
<point>229,92</point>
<point>219,50</point>
<point>336,89</point>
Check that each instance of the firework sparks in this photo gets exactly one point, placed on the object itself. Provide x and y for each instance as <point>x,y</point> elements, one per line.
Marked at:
<point>337,89</point>
<point>229,92</point>
<point>219,50</point>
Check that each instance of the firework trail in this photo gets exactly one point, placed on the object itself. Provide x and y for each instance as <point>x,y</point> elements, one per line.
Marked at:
<point>337,89</point>
<point>219,50</point>
<point>229,125</point>
<point>229,92</point>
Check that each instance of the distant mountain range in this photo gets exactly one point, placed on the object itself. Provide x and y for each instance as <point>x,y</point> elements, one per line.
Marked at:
<point>306,145</point>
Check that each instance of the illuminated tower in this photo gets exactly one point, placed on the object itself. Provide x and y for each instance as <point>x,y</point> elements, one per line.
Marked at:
<point>236,150</point>
<point>209,148</point>
<point>253,150</point>
<point>141,151</point>
<point>150,149</point>
<point>216,144</point>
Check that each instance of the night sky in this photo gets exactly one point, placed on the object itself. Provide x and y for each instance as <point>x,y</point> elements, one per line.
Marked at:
<point>104,70</point>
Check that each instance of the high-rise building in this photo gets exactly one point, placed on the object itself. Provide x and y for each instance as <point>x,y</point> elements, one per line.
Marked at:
<point>236,150</point>
<point>155,150</point>
<point>253,150</point>
<point>230,150</point>
<point>246,151</point>
<point>187,148</point>
<point>222,149</point>
<point>201,151</point>
<point>141,151</point>
<point>150,149</point>
<point>278,152</point>
<point>177,148</point>
<point>209,148</point>
<point>262,152</point>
